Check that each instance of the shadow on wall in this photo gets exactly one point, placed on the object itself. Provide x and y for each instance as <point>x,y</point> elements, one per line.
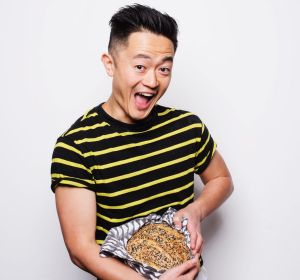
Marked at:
<point>210,227</point>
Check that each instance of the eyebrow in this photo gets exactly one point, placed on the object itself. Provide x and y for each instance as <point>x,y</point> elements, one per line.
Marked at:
<point>166,58</point>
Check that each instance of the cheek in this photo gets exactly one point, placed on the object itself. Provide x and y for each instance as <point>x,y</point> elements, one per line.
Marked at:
<point>132,80</point>
<point>164,83</point>
<point>129,77</point>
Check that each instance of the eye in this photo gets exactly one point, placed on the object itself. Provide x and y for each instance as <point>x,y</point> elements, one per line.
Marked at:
<point>165,70</point>
<point>140,68</point>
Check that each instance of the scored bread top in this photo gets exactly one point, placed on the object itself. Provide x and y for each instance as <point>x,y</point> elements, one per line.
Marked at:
<point>158,245</point>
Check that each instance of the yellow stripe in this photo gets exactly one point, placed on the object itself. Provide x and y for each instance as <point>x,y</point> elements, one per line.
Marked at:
<point>68,147</point>
<point>203,127</point>
<point>112,220</point>
<point>166,112</point>
<point>146,185</point>
<point>62,176</point>
<point>125,161</point>
<point>141,201</point>
<point>115,134</point>
<point>142,143</point>
<point>90,115</point>
<point>72,183</point>
<point>85,128</point>
<point>203,146</point>
<point>145,170</point>
<point>203,161</point>
<point>168,121</point>
<point>87,115</point>
<point>99,242</point>
<point>214,149</point>
<point>102,229</point>
<point>70,163</point>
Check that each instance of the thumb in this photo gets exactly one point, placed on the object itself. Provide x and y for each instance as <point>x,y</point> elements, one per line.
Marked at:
<point>186,266</point>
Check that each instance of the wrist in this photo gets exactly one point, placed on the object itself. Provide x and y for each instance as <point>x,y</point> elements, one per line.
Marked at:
<point>199,209</point>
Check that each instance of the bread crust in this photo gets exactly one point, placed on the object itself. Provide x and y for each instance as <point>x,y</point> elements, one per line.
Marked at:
<point>158,245</point>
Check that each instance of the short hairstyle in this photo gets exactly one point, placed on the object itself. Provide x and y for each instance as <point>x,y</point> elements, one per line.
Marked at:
<point>135,18</point>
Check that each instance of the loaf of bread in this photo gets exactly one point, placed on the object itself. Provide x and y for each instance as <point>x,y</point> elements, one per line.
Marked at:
<point>159,246</point>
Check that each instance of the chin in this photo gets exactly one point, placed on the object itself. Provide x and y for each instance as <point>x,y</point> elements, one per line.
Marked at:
<point>139,116</point>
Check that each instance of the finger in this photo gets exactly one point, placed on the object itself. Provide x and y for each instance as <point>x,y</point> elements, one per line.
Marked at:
<point>177,221</point>
<point>186,266</point>
<point>199,244</point>
<point>193,237</point>
<point>191,274</point>
<point>196,257</point>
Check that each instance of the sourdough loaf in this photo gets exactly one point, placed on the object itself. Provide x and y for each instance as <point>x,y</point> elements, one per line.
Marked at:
<point>159,246</point>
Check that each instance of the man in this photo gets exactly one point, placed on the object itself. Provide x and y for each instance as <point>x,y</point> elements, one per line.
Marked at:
<point>129,157</point>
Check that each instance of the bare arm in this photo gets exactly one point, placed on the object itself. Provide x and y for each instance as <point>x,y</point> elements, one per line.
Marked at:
<point>77,214</point>
<point>217,188</point>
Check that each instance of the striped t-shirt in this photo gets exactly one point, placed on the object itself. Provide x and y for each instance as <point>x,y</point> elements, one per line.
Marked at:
<point>134,169</point>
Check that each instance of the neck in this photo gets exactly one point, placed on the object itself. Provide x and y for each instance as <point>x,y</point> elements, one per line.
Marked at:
<point>113,108</point>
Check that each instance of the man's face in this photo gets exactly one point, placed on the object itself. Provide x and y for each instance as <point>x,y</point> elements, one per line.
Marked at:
<point>141,75</point>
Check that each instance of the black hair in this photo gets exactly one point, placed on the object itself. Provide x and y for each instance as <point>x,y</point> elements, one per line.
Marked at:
<point>135,18</point>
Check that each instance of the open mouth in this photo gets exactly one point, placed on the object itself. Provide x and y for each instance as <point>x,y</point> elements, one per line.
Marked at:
<point>143,99</point>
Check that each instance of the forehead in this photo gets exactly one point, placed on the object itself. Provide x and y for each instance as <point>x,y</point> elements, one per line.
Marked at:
<point>150,44</point>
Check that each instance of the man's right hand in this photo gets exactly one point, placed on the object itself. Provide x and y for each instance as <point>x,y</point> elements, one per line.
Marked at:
<point>186,271</point>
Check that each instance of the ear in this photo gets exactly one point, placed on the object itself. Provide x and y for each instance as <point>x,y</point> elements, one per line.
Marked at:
<point>108,63</point>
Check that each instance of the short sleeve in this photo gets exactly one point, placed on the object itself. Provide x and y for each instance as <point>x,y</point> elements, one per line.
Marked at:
<point>69,167</point>
<point>205,148</point>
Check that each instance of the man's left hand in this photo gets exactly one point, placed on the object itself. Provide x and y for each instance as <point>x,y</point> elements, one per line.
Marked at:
<point>191,212</point>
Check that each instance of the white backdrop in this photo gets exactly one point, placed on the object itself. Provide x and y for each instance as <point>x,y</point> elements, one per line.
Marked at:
<point>237,67</point>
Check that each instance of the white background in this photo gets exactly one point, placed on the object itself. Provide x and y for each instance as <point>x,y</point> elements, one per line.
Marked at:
<point>237,67</point>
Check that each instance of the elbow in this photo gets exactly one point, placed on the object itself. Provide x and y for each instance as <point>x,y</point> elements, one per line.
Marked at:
<point>76,255</point>
<point>76,260</point>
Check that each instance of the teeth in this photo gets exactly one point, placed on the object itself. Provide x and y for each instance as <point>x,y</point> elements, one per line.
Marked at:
<point>146,94</point>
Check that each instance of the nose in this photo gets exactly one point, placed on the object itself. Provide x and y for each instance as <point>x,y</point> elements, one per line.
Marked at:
<point>150,80</point>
